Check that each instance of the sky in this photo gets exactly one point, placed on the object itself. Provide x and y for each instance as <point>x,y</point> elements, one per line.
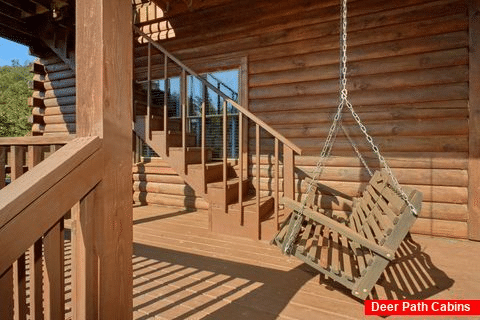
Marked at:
<point>11,50</point>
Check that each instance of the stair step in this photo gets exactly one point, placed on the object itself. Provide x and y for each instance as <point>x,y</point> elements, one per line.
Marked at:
<point>217,195</point>
<point>193,156</point>
<point>250,205</point>
<point>175,138</point>
<point>213,171</point>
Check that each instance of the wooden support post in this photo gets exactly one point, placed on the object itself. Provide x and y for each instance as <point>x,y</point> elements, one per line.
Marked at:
<point>224,155</point>
<point>276,183</point>
<point>165,103</point>
<point>257,177</point>
<point>84,272</point>
<point>474,122</point>
<point>104,94</point>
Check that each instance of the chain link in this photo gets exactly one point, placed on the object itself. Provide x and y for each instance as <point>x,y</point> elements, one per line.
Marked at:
<point>327,147</point>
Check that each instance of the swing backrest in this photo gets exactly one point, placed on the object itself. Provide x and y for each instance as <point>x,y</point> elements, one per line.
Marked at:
<point>377,214</point>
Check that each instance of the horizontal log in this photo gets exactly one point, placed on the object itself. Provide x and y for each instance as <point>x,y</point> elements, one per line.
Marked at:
<point>170,200</point>
<point>440,228</point>
<point>163,188</point>
<point>154,170</point>
<point>453,109</point>
<point>58,84</point>
<point>53,76</point>
<point>321,35</point>
<point>158,178</point>
<point>60,127</point>
<point>56,67</point>
<point>62,101</point>
<point>67,109</point>
<point>430,177</point>
<point>409,63</point>
<point>424,78</point>
<point>411,46</point>
<point>57,119</point>
<point>417,127</point>
<point>55,93</point>
<point>312,146</point>
<point>454,91</point>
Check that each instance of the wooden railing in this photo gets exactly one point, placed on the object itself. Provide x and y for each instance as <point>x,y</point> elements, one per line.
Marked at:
<point>32,211</point>
<point>265,136</point>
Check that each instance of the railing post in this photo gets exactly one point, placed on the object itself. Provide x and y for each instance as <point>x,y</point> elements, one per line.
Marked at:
<point>3,162</point>
<point>183,97</point>
<point>288,172</point>
<point>224,155</point>
<point>203,138</point>
<point>148,134</point>
<point>84,260</point>
<point>240,165</point>
<point>257,187</point>
<point>35,252</point>
<point>276,183</point>
<point>165,104</point>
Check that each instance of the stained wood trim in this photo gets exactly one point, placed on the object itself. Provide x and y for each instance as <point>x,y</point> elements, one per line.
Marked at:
<point>474,122</point>
<point>36,182</point>
<point>37,212</point>
<point>36,140</point>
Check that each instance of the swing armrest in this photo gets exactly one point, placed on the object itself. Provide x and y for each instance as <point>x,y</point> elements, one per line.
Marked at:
<point>340,228</point>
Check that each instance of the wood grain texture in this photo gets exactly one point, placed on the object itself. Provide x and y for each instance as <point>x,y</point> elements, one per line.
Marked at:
<point>474,122</point>
<point>104,96</point>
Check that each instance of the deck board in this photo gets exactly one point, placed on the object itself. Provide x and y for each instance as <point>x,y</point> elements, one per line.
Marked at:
<point>183,271</point>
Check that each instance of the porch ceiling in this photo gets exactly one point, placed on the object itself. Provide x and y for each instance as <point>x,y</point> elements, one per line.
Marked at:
<point>27,21</point>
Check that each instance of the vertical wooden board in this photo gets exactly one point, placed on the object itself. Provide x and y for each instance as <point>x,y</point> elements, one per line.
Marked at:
<point>3,162</point>
<point>54,286</point>
<point>36,281</point>
<point>104,67</point>
<point>20,288</point>
<point>474,122</point>
<point>16,165</point>
<point>6,294</point>
<point>85,263</point>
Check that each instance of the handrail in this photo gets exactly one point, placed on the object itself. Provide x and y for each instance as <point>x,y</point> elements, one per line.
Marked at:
<point>35,140</point>
<point>30,205</point>
<point>246,112</point>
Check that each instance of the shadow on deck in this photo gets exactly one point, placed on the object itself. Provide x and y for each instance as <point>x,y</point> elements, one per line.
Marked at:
<point>182,271</point>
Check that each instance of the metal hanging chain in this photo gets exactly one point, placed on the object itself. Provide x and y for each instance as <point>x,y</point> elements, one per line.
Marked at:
<point>359,155</point>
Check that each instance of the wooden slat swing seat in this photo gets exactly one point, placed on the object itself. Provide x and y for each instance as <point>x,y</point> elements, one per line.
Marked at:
<point>353,251</point>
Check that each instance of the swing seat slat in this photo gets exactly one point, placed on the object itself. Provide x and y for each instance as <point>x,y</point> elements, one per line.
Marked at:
<point>355,252</point>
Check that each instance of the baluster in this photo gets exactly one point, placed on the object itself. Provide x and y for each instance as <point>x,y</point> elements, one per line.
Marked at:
<point>240,164</point>
<point>276,184</point>
<point>225,153</point>
<point>257,159</point>
<point>54,287</point>
<point>84,260</point>
<point>288,174</point>
<point>19,271</point>
<point>35,252</point>
<point>3,162</point>
<point>165,103</point>
<point>149,93</point>
<point>16,164</point>
<point>204,130</point>
<point>6,294</point>
<point>183,94</point>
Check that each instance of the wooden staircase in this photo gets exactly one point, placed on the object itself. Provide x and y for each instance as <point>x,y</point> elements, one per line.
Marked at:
<point>236,204</point>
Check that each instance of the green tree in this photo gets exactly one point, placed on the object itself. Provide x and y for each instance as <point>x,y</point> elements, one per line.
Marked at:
<point>14,93</point>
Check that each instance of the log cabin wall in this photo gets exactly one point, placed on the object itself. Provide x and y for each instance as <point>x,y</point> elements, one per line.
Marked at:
<point>408,81</point>
<point>53,98</point>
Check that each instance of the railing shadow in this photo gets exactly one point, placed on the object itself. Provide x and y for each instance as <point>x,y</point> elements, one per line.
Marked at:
<point>207,286</point>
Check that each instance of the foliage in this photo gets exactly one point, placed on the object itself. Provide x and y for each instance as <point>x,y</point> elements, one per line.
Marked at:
<point>14,93</point>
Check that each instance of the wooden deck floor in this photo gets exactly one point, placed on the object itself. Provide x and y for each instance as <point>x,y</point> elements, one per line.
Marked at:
<point>182,271</point>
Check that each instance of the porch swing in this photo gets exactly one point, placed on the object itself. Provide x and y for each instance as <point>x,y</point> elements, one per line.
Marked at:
<point>356,250</point>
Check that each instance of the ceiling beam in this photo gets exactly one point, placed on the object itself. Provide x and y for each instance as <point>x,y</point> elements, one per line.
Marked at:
<point>25,6</point>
